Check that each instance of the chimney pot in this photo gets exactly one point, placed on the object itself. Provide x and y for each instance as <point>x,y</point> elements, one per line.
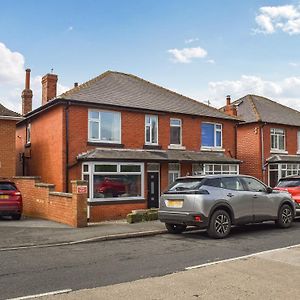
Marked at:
<point>228,100</point>
<point>75,84</point>
<point>27,95</point>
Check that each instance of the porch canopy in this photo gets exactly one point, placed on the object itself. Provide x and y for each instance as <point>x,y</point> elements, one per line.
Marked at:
<point>277,159</point>
<point>156,156</point>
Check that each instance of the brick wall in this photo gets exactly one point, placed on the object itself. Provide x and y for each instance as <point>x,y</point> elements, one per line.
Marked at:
<point>7,148</point>
<point>249,150</point>
<point>40,200</point>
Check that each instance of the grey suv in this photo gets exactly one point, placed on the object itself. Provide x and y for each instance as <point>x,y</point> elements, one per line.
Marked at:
<point>216,202</point>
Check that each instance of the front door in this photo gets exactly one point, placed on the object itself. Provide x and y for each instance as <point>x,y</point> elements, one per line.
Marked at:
<point>153,189</point>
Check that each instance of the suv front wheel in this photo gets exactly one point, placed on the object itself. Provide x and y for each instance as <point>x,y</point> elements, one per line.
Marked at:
<point>219,225</point>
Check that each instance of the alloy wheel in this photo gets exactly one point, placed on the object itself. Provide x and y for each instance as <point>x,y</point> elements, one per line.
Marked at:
<point>286,216</point>
<point>222,224</point>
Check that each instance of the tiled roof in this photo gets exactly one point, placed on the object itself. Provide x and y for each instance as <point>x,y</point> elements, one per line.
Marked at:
<point>284,159</point>
<point>252,108</point>
<point>125,90</point>
<point>156,155</point>
<point>4,112</point>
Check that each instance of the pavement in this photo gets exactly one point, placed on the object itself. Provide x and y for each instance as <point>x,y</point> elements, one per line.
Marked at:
<point>267,275</point>
<point>29,232</point>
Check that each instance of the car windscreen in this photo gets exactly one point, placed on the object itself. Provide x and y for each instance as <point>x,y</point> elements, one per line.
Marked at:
<point>6,186</point>
<point>289,182</point>
<point>189,184</point>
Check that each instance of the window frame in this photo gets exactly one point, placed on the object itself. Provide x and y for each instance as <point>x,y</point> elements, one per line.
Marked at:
<point>298,142</point>
<point>230,171</point>
<point>99,140</point>
<point>147,124</point>
<point>277,136</point>
<point>215,136</point>
<point>173,172</point>
<point>28,134</point>
<point>91,172</point>
<point>177,126</point>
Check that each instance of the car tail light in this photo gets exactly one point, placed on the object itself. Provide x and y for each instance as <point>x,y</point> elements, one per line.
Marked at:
<point>16,194</point>
<point>197,218</point>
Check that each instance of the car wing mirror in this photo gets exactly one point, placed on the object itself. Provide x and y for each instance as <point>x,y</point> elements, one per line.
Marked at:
<point>269,190</point>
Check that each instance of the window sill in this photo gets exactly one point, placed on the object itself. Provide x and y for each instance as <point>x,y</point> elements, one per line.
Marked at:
<point>212,149</point>
<point>176,147</point>
<point>274,151</point>
<point>152,147</point>
<point>95,202</point>
<point>298,152</point>
<point>108,145</point>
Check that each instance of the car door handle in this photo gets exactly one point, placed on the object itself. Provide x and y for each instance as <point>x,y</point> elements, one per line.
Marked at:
<point>230,195</point>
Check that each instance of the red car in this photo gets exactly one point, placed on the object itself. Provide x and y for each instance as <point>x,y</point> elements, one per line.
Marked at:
<point>10,200</point>
<point>111,186</point>
<point>291,184</point>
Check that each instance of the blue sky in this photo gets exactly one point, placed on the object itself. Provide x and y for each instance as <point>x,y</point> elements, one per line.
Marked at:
<point>203,49</point>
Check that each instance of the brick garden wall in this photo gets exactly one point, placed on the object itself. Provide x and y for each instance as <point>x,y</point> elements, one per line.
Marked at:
<point>7,148</point>
<point>40,200</point>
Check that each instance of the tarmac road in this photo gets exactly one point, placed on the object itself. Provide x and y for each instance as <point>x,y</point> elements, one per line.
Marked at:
<point>35,271</point>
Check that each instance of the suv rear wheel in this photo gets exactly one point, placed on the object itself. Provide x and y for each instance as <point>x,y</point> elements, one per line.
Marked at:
<point>219,225</point>
<point>175,228</point>
<point>285,216</point>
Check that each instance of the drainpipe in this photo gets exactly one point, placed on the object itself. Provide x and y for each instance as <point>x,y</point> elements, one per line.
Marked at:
<point>262,151</point>
<point>67,146</point>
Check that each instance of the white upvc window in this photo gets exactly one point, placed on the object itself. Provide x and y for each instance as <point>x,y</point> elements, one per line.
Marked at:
<point>211,135</point>
<point>151,130</point>
<point>104,126</point>
<point>174,172</point>
<point>175,132</point>
<point>277,139</point>
<point>298,141</point>
<point>211,169</point>
<point>110,181</point>
<point>28,133</point>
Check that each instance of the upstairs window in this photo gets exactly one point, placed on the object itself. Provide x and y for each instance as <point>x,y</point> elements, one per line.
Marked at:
<point>28,134</point>
<point>298,141</point>
<point>104,126</point>
<point>211,135</point>
<point>277,139</point>
<point>175,132</point>
<point>151,129</point>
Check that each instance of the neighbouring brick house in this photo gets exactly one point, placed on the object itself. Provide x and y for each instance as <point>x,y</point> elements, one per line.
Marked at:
<point>268,141</point>
<point>127,137</point>
<point>8,120</point>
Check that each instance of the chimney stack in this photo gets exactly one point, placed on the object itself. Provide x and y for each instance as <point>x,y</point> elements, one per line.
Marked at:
<point>230,109</point>
<point>49,86</point>
<point>27,95</point>
<point>75,84</point>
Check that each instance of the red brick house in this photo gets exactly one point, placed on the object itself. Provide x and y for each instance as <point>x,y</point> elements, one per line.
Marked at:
<point>8,120</point>
<point>268,141</point>
<point>127,137</point>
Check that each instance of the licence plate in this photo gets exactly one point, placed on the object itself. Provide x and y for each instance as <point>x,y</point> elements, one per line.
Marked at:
<point>174,203</point>
<point>3,196</point>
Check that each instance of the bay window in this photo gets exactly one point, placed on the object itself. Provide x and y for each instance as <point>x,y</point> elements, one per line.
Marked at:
<point>104,126</point>
<point>174,172</point>
<point>114,181</point>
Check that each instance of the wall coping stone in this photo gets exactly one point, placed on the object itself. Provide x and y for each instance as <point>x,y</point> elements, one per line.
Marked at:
<point>27,177</point>
<point>60,194</point>
<point>47,185</point>
<point>79,182</point>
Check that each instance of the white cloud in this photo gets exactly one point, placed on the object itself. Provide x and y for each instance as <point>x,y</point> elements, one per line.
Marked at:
<point>294,64</point>
<point>12,80</point>
<point>273,18</point>
<point>70,28</point>
<point>285,91</point>
<point>192,40</point>
<point>186,55</point>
